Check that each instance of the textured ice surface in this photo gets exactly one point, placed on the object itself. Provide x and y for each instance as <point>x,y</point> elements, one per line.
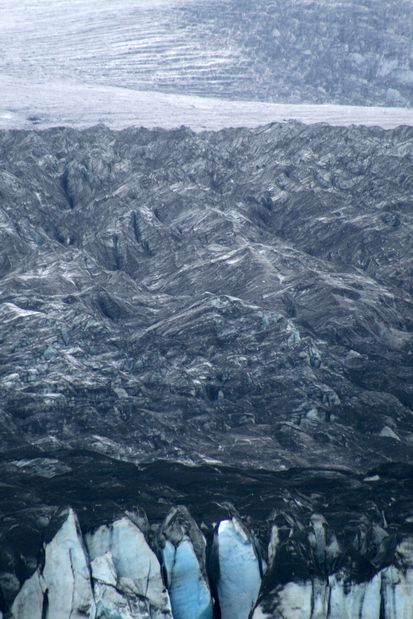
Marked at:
<point>126,572</point>
<point>189,593</point>
<point>122,247</point>
<point>63,589</point>
<point>183,549</point>
<point>66,573</point>
<point>283,50</point>
<point>239,571</point>
<point>29,601</point>
<point>388,595</point>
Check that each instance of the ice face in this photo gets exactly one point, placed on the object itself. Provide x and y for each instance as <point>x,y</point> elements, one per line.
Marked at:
<point>239,570</point>
<point>126,572</point>
<point>64,587</point>
<point>349,600</point>
<point>183,549</point>
<point>188,590</point>
<point>397,592</point>
<point>66,573</point>
<point>388,595</point>
<point>29,602</point>
<point>116,575</point>
<point>295,601</point>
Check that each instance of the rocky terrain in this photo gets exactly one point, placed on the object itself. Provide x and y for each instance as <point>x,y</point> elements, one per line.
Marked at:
<point>218,320</point>
<point>348,52</point>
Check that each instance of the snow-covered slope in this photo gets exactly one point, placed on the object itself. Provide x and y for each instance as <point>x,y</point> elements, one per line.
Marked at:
<point>282,50</point>
<point>40,104</point>
<point>205,64</point>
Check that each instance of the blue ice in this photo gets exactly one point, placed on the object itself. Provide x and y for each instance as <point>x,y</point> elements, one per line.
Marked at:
<point>189,593</point>
<point>239,571</point>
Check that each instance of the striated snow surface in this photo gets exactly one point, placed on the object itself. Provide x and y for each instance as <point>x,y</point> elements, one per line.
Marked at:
<point>274,50</point>
<point>204,64</point>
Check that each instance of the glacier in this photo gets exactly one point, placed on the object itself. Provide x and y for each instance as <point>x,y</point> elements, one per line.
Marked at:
<point>113,573</point>
<point>183,549</point>
<point>126,573</point>
<point>190,596</point>
<point>38,104</point>
<point>270,50</point>
<point>238,569</point>
<point>62,588</point>
<point>207,315</point>
<point>260,249</point>
<point>160,63</point>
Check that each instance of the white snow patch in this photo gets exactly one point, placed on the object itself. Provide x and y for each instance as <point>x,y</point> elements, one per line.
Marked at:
<point>76,104</point>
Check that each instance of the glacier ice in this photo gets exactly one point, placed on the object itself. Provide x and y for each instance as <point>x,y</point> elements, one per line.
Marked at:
<point>238,578</point>
<point>183,552</point>
<point>117,577</point>
<point>61,590</point>
<point>126,573</point>
<point>397,583</point>
<point>29,601</point>
<point>66,573</point>
<point>335,593</point>
<point>388,595</point>
<point>347,600</point>
<point>113,573</point>
<point>190,595</point>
